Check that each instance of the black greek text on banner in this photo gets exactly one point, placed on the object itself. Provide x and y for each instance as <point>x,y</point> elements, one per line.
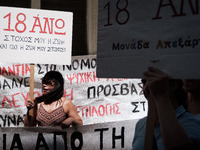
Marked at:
<point>115,135</point>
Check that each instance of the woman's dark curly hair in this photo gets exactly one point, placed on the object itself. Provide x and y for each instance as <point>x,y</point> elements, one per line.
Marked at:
<point>57,78</point>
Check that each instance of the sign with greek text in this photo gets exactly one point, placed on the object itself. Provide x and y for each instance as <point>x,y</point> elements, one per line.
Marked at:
<point>135,34</point>
<point>35,36</point>
<point>97,100</point>
<point>114,135</point>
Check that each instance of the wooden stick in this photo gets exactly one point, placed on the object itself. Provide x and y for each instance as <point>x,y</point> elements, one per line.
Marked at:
<point>31,92</point>
<point>150,125</point>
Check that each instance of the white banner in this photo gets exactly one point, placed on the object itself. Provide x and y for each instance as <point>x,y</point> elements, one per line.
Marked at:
<point>35,36</point>
<point>135,34</point>
<point>115,135</point>
<point>97,100</point>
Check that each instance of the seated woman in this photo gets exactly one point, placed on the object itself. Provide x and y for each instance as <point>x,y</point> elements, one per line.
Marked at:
<point>52,109</point>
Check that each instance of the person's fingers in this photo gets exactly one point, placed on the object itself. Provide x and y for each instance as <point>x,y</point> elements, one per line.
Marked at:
<point>149,74</point>
<point>29,104</point>
<point>156,70</point>
<point>154,73</point>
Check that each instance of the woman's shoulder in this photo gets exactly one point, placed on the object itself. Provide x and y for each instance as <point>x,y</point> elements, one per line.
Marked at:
<point>65,101</point>
<point>67,104</point>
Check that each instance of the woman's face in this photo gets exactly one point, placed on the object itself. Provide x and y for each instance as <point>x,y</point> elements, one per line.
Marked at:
<point>47,87</point>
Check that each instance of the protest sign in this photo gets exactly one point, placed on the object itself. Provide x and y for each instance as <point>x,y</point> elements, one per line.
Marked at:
<point>35,36</point>
<point>133,35</point>
<point>97,100</point>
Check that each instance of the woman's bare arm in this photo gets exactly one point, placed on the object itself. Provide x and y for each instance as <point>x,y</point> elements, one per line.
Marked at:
<point>30,117</point>
<point>73,117</point>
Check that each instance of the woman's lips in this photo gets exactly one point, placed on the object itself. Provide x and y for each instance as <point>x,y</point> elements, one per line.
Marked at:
<point>44,91</point>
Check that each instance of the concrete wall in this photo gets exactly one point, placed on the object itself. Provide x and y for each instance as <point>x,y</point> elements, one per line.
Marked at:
<point>92,22</point>
<point>92,14</point>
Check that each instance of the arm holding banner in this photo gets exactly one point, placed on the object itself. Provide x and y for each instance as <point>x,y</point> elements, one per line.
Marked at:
<point>163,92</point>
<point>30,118</point>
<point>168,94</point>
<point>174,126</point>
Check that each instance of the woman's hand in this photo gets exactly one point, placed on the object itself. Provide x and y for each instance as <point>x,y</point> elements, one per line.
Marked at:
<point>29,104</point>
<point>67,122</point>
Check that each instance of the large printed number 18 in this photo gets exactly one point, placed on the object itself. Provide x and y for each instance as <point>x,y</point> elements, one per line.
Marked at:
<point>121,9</point>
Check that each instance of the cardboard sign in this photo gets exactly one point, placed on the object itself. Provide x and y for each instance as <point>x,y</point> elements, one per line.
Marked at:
<point>114,135</point>
<point>135,34</point>
<point>35,36</point>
